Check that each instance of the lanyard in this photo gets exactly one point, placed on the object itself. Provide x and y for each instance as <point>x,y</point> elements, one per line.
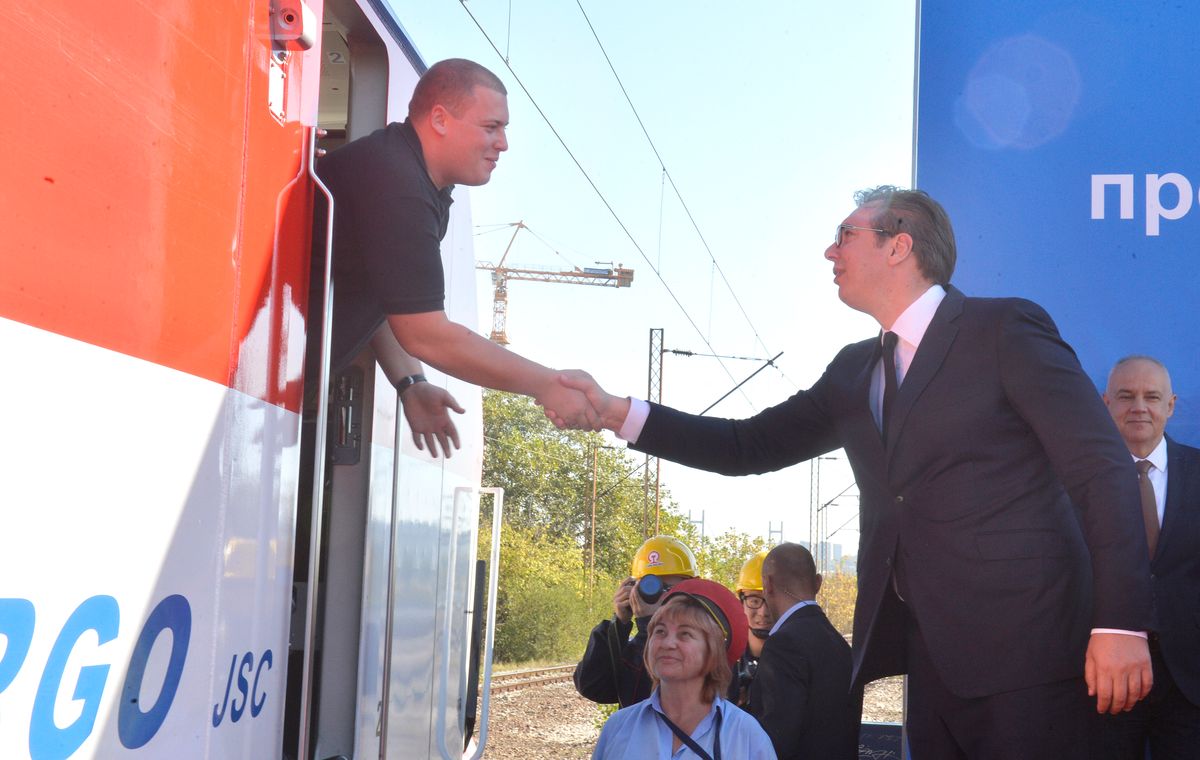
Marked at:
<point>690,743</point>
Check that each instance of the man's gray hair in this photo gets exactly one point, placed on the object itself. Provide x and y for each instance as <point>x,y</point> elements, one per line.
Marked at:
<point>923,218</point>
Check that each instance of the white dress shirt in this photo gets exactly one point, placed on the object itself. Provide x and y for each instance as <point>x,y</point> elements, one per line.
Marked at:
<point>910,328</point>
<point>788,614</point>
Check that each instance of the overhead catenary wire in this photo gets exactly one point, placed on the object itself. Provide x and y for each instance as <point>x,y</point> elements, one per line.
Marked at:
<point>599,193</point>
<point>668,178</point>
<point>842,526</point>
<point>769,362</point>
<point>681,352</point>
<point>508,38</point>
<point>839,495</point>
<point>494,228</point>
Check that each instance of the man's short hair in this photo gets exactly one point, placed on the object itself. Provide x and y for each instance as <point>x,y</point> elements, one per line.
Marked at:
<point>923,218</point>
<point>1139,358</point>
<point>451,83</point>
<point>792,566</point>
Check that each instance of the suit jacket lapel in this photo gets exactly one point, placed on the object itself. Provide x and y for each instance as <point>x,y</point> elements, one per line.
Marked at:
<point>929,357</point>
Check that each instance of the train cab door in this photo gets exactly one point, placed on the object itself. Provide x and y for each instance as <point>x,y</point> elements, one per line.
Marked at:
<point>381,627</point>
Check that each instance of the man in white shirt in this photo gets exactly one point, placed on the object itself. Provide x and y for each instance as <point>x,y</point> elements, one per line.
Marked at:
<point>1140,400</point>
<point>974,436</point>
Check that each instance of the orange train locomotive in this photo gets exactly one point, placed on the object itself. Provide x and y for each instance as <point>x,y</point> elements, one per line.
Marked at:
<point>167,587</point>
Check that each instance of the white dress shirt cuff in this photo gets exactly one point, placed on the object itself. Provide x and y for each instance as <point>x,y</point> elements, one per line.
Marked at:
<point>635,420</point>
<point>1139,634</point>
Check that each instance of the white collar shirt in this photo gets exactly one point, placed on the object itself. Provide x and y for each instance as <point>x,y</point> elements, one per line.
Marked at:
<point>779,623</point>
<point>910,328</point>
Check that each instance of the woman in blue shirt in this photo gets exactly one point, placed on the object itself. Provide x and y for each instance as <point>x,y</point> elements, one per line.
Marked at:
<point>694,639</point>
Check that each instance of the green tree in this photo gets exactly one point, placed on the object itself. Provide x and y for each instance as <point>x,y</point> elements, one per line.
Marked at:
<point>542,612</point>
<point>838,594</point>
<point>546,601</point>
<point>721,558</point>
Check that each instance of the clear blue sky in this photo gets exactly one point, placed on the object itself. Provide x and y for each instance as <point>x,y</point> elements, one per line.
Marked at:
<point>768,116</point>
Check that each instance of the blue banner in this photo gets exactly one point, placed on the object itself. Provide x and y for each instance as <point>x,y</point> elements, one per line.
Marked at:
<point>1062,139</point>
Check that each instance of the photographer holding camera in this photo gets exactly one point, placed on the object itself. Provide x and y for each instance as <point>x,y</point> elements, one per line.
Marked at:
<point>612,669</point>
<point>759,618</point>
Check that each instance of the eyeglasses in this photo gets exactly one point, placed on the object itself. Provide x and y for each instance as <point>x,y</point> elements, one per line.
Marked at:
<point>754,602</point>
<point>837,235</point>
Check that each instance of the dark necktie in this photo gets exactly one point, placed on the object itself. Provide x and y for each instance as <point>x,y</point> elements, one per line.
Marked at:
<point>889,380</point>
<point>1149,505</point>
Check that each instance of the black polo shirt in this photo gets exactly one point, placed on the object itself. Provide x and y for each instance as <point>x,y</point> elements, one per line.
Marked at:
<point>389,220</point>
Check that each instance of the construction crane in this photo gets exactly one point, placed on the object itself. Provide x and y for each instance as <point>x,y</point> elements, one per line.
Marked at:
<point>609,276</point>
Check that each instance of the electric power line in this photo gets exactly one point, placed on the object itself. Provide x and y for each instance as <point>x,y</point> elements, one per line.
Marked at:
<point>642,466</point>
<point>603,199</point>
<point>668,178</point>
<point>681,352</point>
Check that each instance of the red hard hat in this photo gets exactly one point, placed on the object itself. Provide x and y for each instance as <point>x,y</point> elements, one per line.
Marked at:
<point>723,606</point>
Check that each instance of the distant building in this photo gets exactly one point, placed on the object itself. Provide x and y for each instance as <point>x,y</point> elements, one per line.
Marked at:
<point>827,555</point>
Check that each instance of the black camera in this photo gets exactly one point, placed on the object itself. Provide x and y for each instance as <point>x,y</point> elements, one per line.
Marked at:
<point>650,589</point>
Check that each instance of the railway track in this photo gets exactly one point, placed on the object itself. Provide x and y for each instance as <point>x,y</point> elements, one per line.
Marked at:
<point>523,679</point>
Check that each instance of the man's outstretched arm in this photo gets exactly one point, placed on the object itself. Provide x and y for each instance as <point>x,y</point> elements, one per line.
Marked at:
<point>432,338</point>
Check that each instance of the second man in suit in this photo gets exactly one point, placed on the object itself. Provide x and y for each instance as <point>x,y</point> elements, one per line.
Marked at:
<point>801,694</point>
<point>1140,400</point>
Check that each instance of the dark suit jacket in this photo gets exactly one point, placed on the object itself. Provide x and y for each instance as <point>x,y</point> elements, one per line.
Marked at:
<point>994,432</point>
<point>612,669</point>
<point>1176,570</point>
<point>801,692</point>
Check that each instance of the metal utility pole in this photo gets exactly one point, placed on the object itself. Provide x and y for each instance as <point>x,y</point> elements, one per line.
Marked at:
<point>814,501</point>
<point>771,533</point>
<point>613,277</point>
<point>819,516</point>
<point>592,552</point>
<point>699,522</point>
<point>592,572</point>
<point>653,465</point>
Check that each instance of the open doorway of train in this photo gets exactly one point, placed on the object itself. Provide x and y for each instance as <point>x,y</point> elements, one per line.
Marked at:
<point>386,585</point>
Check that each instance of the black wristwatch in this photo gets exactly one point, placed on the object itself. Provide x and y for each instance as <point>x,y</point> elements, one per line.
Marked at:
<point>407,382</point>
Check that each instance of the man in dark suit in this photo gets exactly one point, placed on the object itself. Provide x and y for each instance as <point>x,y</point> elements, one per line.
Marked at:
<point>1139,398</point>
<point>801,694</point>
<point>998,563</point>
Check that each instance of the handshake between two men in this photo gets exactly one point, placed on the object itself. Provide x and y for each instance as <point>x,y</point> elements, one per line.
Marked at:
<point>602,411</point>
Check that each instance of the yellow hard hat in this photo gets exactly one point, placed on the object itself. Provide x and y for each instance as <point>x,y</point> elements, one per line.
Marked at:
<point>663,555</point>
<point>750,579</point>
